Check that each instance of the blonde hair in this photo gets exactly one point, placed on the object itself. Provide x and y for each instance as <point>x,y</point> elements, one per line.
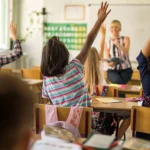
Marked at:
<point>116,22</point>
<point>92,73</point>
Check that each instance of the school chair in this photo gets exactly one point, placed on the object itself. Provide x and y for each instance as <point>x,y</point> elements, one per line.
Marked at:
<point>33,74</point>
<point>110,93</point>
<point>62,112</point>
<point>36,67</point>
<point>6,70</point>
<point>140,120</point>
<point>30,73</point>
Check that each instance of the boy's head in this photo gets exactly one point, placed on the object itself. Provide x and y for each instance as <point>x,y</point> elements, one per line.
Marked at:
<point>16,112</point>
<point>115,27</point>
<point>55,57</point>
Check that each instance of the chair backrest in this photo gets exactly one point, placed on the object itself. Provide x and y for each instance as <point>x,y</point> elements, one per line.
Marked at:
<point>140,119</point>
<point>30,73</point>
<point>36,67</point>
<point>110,92</point>
<point>62,112</point>
<point>6,70</point>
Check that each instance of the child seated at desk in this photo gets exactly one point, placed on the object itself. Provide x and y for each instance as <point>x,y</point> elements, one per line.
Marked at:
<point>144,70</point>
<point>63,82</point>
<point>94,76</point>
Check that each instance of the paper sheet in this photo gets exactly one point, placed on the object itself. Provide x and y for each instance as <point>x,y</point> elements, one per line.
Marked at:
<point>100,141</point>
<point>107,100</point>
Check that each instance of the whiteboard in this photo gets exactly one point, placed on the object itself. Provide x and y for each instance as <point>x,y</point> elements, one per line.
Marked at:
<point>135,21</point>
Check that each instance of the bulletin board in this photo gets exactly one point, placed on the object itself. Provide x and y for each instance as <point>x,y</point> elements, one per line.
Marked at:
<point>73,35</point>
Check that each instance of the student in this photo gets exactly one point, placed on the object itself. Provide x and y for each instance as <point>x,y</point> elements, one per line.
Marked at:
<point>6,59</point>
<point>94,75</point>
<point>63,81</point>
<point>94,69</point>
<point>144,70</point>
<point>16,113</point>
<point>118,46</point>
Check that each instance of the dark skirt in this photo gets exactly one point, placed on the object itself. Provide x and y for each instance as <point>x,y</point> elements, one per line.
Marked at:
<point>119,76</point>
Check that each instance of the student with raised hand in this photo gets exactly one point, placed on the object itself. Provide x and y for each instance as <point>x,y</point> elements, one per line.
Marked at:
<point>16,113</point>
<point>144,70</point>
<point>63,81</point>
<point>6,59</point>
<point>94,76</point>
<point>118,47</point>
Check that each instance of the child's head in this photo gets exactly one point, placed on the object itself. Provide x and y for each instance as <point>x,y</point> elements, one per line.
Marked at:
<point>16,113</point>
<point>92,70</point>
<point>55,57</point>
<point>115,27</point>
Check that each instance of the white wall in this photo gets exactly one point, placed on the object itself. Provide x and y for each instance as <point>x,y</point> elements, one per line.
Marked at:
<point>33,46</point>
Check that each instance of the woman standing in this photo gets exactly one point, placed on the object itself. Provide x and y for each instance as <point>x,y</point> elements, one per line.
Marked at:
<point>118,46</point>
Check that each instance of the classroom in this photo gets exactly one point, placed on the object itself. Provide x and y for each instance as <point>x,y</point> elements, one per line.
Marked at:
<point>74,74</point>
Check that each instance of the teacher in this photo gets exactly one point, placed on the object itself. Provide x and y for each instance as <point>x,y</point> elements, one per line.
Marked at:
<point>118,46</point>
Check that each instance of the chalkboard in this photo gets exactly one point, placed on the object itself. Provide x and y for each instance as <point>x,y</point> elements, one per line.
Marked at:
<point>135,19</point>
<point>71,34</point>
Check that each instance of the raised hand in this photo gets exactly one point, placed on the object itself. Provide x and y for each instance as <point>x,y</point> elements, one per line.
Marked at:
<point>102,12</point>
<point>103,30</point>
<point>12,30</point>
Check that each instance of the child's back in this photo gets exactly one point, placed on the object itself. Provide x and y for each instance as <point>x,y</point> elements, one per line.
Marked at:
<point>69,88</point>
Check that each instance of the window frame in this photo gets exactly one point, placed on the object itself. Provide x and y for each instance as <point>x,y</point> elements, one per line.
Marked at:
<point>6,46</point>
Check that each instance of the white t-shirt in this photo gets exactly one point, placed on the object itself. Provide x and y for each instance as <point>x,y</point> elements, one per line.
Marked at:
<point>101,68</point>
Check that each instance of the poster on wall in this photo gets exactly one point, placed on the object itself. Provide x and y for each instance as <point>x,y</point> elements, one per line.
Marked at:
<point>73,35</point>
<point>74,12</point>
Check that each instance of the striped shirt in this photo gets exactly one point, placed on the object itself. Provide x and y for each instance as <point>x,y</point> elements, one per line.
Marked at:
<point>69,89</point>
<point>116,52</point>
<point>6,59</point>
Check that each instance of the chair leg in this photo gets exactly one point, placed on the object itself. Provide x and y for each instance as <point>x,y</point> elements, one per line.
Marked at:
<point>134,123</point>
<point>124,136</point>
<point>86,124</point>
<point>37,128</point>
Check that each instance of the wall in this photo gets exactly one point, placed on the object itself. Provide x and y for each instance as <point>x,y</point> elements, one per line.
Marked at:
<point>33,45</point>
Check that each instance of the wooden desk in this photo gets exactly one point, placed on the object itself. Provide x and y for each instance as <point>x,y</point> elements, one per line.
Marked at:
<point>128,89</point>
<point>122,109</point>
<point>123,105</point>
<point>33,82</point>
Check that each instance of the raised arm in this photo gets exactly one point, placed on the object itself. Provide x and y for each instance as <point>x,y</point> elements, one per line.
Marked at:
<point>102,42</point>
<point>102,14</point>
<point>6,59</point>
<point>146,49</point>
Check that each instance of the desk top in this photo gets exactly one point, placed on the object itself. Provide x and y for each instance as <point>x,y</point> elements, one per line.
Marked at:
<point>129,88</point>
<point>123,105</point>
<point>33,81</point>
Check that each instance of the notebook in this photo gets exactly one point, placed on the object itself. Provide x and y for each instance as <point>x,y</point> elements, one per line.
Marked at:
<point>135,143</point>
<point>99,141</point>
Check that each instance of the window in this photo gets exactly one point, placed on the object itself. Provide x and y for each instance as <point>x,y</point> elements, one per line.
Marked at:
<point>4,24</point>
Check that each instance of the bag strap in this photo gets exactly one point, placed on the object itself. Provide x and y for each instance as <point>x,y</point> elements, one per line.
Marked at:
<point>50,114</point>
<point>75,116</point>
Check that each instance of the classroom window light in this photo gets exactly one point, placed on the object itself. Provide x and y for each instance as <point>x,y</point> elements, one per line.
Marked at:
<point>4,24</point>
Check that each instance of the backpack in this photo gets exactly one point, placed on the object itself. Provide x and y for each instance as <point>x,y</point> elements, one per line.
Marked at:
<point>106,124</point>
